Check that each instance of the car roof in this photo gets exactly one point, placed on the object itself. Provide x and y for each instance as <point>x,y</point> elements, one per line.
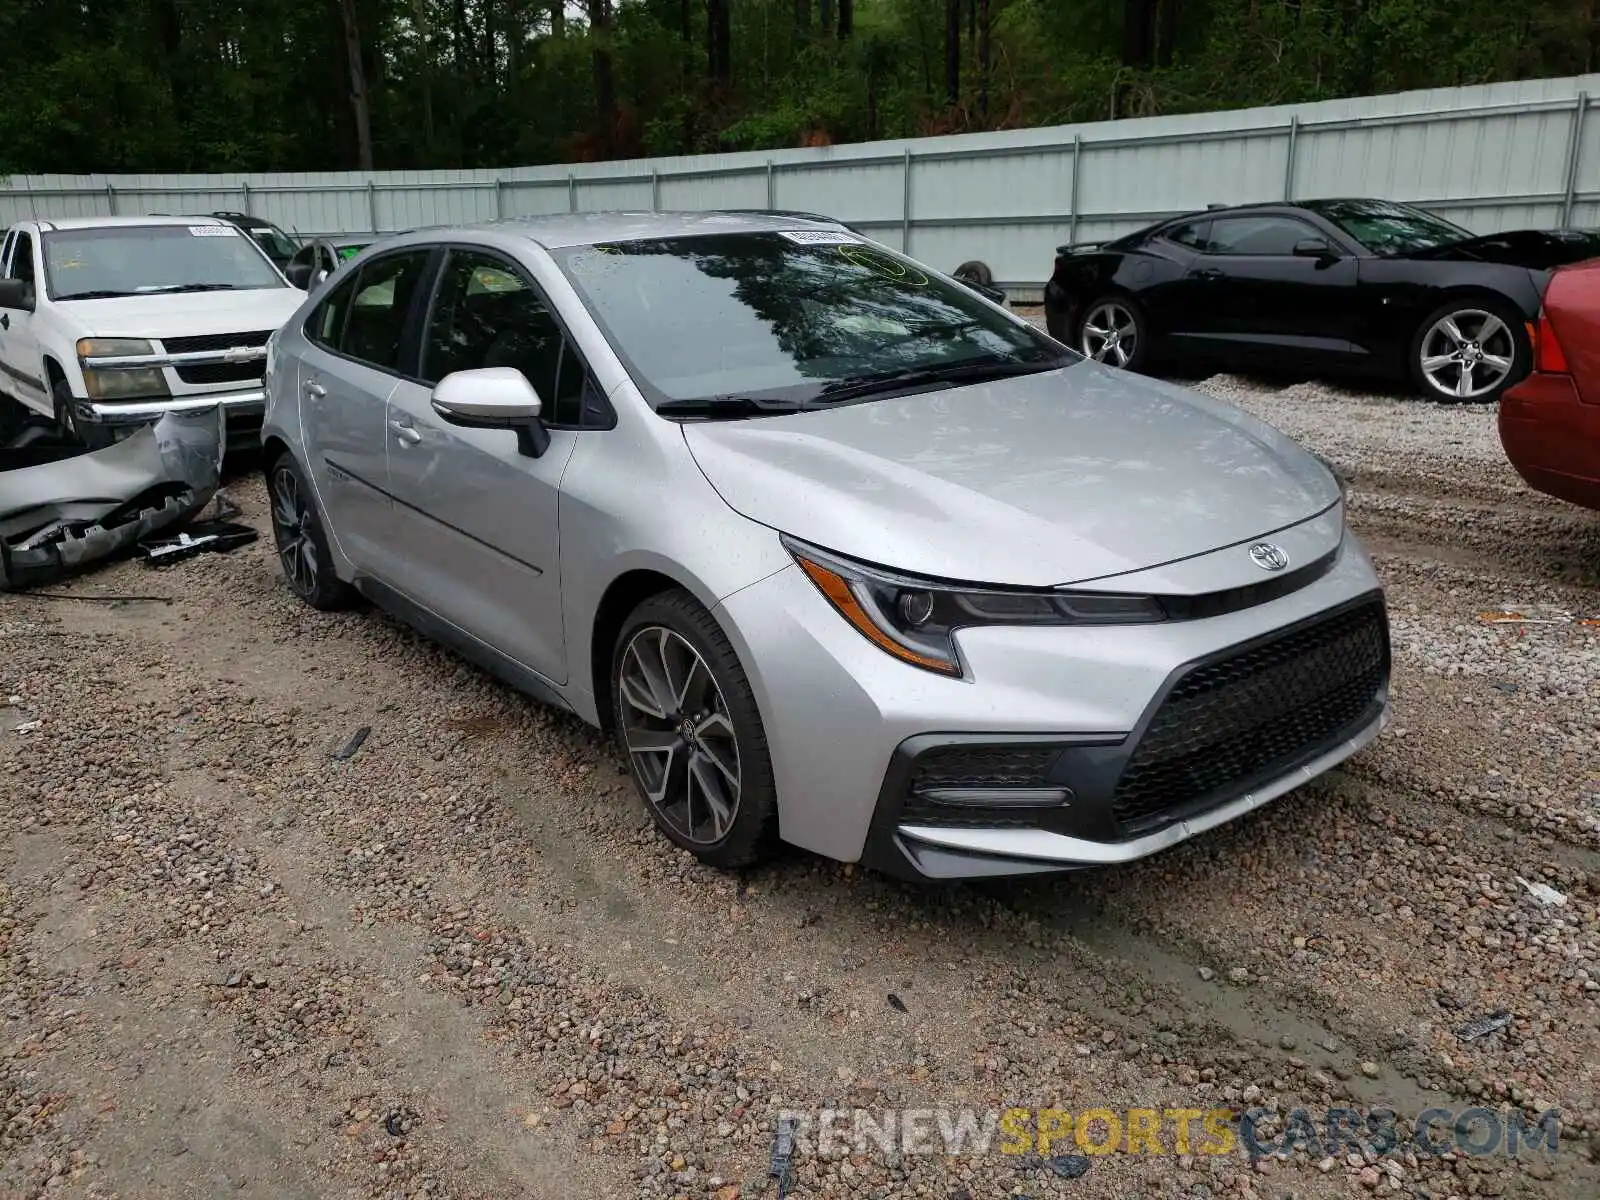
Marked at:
<point>123,222</point>
<point>561,230</point>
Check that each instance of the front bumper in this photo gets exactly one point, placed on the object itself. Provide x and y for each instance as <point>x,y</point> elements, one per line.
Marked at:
<point>846,725</point>
<point>1552,437</point>
<point>251,402</point>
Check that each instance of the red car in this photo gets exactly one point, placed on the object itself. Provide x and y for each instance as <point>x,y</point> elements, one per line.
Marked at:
<point>1550,422</point>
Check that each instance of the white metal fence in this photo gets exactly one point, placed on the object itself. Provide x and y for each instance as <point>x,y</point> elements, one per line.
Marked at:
<point>1491,157</point>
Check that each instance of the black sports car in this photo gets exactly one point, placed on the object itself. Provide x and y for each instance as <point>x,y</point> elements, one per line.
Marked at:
<point>1362,286</point>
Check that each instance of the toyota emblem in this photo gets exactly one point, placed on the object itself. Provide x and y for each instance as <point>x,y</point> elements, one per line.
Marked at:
<point>1268,557</point>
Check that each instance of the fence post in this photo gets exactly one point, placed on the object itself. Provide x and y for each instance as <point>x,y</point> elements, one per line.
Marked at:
<point>111,197</point>
<point>772,185</point>
<point>655,190</point>
<point>1288,164</point>
<point>572,192</point>
<point>1574,153</point>
<point>1072,195</point>
<point>372,205</point>
<point>244,190</point>
<point>499,202</point>
<point>905,202</point>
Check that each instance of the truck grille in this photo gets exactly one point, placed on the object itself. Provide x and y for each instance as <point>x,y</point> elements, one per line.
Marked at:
<point>214,341</point>
<point>1252,716</point>
<point>217,372</point>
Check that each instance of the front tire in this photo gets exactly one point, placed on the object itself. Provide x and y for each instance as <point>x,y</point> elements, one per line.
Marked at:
<point>1113,331</point>
<point>302,544</point>
<point>92,437</point>
<point>687,721</point>
<point>1470,351</point>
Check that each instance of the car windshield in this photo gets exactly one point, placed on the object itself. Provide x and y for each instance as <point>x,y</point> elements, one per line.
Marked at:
<point>782,315</point>
<point>1392,228</point>
<point>132,260</point>
<point>274,241</point>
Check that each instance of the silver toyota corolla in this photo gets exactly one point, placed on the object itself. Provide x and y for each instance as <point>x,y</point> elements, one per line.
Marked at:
<point>845,554</point>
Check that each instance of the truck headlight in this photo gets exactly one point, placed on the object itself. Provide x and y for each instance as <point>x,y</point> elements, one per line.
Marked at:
<point>104,382</point>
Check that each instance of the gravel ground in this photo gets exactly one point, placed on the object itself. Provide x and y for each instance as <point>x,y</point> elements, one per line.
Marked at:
<point>458,964</point>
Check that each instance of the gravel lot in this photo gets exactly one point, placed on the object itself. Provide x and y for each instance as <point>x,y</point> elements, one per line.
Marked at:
<point>458,964</point>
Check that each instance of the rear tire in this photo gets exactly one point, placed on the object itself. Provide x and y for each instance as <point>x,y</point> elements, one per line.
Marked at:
<point>686,719</point>
<point>1114,332</point>
<point>1469,351</point>
<point>302,544</point>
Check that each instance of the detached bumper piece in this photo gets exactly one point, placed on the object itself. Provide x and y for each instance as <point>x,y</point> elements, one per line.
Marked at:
<point>1225,734</point>
<point>63,509</point>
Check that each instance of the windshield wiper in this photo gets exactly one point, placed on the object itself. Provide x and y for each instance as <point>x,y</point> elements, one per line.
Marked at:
<point>168,289</point>
<point>99,294</point>
<point>727,407</point>
<point>852,386</point>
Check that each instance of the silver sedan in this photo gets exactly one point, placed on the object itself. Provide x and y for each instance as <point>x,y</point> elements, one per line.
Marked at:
<point>842,552</point>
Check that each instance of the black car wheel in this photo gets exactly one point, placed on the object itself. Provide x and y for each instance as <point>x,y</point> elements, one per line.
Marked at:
<point>1470,351</point>
<point>976,271</point>
<point>687,721</point>
<point>302,545</point>
<point>1113,332</point>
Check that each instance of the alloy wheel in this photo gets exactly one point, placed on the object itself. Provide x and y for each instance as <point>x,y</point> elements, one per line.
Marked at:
<point>679,735</point>
<point>292,523</point>
<point>1110,334</point>
<point>1468,353</point>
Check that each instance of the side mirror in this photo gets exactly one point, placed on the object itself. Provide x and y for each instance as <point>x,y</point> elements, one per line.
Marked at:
<point>300,275</point>
<point>1313,247</point>
<point>494,398</point>
<point>16,293</point>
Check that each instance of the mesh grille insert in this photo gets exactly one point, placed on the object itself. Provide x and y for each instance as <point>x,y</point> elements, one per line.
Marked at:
<point>1258,713</point>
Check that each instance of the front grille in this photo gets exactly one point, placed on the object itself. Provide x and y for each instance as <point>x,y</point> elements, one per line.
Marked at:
<point>977,766</point>
<point>245,372</point>
<point>1229,724</point>
<point>214,341</point>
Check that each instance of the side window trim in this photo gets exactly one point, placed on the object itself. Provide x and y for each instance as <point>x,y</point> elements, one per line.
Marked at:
<point>407,328</point>
<point>5,253</point>
<point>1307,230</point>
<point>568,342</point>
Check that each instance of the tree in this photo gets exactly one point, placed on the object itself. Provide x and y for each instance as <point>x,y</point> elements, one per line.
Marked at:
<point>719,45</point>
<point>952,52</point>
<point>359,109</point>
<point>605,86</point>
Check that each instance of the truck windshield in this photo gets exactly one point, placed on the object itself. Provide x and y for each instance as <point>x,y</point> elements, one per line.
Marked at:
<point>137,260</point>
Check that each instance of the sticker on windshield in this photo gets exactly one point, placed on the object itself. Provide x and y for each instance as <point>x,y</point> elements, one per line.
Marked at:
<point>819,237</point>
<point>213,231</point>
<point>879,263</point>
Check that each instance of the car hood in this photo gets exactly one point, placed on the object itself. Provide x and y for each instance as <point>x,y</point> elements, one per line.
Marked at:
<point>185,314</point>
<point>1061,477</point>
<point>1536,249</point>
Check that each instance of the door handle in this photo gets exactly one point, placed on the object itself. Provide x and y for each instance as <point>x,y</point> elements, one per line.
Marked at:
<point>407,434</point>
<point>315,390</point>
<point>5,320</point>
<point>1208,274</point>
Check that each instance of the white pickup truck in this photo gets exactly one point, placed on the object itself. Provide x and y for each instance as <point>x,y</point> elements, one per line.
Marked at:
<point>106,323</point>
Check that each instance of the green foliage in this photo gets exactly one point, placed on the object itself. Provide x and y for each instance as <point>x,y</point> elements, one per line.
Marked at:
<point>216,85</point>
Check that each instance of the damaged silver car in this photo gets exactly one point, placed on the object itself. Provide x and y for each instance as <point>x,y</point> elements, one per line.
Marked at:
<point>63,509</point>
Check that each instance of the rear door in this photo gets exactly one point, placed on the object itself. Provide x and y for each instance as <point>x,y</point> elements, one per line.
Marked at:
<point>478,518</point>
<point>1257,298</point>
<point>349,368</point>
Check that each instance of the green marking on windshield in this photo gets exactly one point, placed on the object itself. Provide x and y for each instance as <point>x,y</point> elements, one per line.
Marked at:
<point>346,253</point>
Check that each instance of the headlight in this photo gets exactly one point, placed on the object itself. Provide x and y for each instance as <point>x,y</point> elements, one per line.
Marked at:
<point>915,619</point>
<point>119,383</point>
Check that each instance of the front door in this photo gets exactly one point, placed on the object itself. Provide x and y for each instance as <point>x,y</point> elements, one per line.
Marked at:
<point>1263,301</point>
<point>478,518</point>
<point>21,363</point>
<point>347,374</point>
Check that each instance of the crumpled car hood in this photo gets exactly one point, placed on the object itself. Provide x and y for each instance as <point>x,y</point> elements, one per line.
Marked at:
<point>1061,477</point>
<point>1536,249</point>
<point>57,517</point>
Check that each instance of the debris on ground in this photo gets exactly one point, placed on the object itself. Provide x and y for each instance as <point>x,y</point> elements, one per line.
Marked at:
<point>1542,892</point>
<point>896,1003</point>
<point>1485,1025</point>
<point>348,750</point>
